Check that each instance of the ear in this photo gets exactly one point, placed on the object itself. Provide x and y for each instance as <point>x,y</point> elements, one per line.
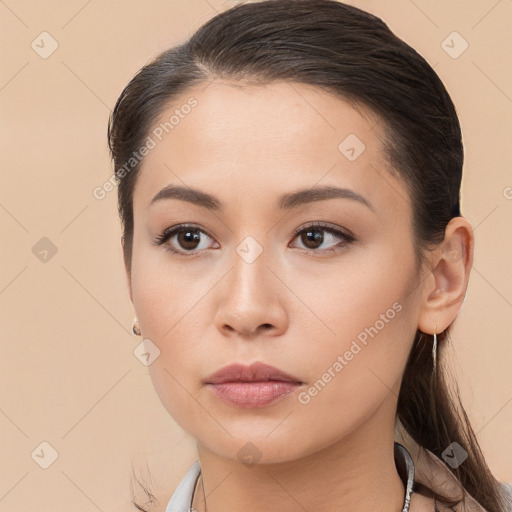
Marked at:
<point>447,280</point>
<point>127,270</point>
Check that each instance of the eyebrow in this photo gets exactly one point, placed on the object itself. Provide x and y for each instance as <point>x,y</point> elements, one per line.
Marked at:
<point>285,202</point>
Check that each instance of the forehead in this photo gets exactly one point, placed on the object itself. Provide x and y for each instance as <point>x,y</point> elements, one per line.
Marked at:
<point>266,140</point>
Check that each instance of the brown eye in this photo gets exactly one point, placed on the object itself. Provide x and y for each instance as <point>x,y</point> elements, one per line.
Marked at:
<point>320,238</point>
<point>188,238</point>
<point>183,240</point>
<point>312,238</point>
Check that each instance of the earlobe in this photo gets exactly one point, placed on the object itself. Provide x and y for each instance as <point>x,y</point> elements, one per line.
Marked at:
<point>445,287</point>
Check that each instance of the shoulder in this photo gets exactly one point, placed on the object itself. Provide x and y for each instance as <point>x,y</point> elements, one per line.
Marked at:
<point>506,490</point>
<point>420,503</point>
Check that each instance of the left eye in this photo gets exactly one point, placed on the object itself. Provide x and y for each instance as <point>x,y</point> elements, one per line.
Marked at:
<point>189,238</point>
<point>312,236</point>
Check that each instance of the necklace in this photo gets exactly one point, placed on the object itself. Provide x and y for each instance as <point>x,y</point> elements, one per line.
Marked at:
<point>403,461</point>
<point>409,469</point>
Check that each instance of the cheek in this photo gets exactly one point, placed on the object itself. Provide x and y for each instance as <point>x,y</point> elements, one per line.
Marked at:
<point>358,292</point>
<point>163,292</point>
<point>165,304</point>
<point>363,361</point>
<point>362,320</point>
<point>352,376</point>
<point>176,375</point>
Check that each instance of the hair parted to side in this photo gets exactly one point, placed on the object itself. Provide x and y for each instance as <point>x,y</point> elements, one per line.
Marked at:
<point>354,55</point>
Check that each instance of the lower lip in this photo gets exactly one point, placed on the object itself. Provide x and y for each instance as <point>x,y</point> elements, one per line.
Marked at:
<point>253,394</point>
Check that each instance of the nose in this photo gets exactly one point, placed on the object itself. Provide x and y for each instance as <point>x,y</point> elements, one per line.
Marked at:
<point>250,300</point>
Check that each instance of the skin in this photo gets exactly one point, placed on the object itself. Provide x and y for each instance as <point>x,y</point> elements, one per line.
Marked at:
<point>293,309</point>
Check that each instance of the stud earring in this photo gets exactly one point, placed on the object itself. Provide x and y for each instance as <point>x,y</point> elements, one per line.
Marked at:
<point>136,328</point>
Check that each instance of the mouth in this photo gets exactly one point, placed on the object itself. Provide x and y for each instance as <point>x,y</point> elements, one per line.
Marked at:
<point>252,386</point>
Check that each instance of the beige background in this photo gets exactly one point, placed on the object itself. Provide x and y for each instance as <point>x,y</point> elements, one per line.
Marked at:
<point>69,375</point>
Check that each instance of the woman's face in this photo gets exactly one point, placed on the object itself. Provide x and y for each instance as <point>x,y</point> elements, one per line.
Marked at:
<point>336,311</point>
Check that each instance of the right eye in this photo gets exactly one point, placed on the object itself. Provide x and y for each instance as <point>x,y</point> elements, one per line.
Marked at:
<point>187,237</point>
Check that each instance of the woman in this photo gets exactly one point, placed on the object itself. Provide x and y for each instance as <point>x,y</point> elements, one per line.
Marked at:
<point>289,185</point>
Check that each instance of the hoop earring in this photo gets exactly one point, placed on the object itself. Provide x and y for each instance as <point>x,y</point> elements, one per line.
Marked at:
<point>434,351</point>
<point>136,328</point>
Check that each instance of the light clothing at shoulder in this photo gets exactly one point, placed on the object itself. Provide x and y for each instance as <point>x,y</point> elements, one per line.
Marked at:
<point>433,472</point>
<point>429,470</point>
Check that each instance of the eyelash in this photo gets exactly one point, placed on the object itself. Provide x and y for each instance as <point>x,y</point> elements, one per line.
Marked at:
<point>347,237</point>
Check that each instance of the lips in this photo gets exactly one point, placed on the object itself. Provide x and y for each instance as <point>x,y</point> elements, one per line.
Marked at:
<point>252,386</point>
<point>256,372</point>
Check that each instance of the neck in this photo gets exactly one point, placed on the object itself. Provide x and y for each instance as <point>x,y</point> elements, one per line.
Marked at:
<point>357,473</point>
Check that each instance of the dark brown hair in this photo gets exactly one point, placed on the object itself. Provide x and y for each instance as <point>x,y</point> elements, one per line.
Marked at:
<point>354,55</point>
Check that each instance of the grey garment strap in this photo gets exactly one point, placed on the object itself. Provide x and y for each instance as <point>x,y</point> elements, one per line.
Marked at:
<point>181,500</point>
<point>402,452</point>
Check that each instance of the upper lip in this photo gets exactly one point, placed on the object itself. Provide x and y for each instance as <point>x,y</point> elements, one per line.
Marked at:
<point>255,372</point>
